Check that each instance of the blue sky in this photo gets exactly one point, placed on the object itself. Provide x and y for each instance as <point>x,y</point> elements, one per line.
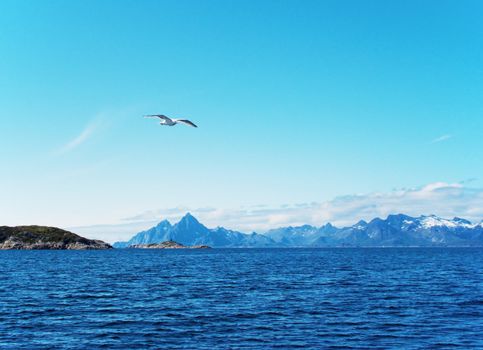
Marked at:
<point>297,103</point>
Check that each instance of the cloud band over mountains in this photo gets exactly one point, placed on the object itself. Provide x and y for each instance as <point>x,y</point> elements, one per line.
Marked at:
<point>442,199</point>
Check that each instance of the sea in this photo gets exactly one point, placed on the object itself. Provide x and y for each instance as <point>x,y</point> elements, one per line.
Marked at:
<point>346,298</point>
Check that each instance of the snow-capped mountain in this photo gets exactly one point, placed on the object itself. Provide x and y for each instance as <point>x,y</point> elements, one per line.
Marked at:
<point>403,230</point>
<point>394,231</point>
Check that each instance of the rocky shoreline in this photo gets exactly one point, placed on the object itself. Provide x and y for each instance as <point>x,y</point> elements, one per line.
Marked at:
<point>45,238</point>
<point>167,245</point>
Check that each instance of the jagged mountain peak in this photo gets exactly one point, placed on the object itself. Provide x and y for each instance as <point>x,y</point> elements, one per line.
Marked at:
<point>189,221</point>
<point>395,230</point>
<point>360,224</point>
<point>188,215</point>
<point>328,228</point>
<point>461,220</point>
<point>430,221</point>
<point>375,221</point>
<point>164,223</point>
<point>398,217</point>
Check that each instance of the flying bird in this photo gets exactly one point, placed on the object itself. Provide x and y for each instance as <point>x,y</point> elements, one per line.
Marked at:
<point>170,121</point>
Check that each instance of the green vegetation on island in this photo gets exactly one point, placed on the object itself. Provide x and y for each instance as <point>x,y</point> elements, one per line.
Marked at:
<point>42,237</point>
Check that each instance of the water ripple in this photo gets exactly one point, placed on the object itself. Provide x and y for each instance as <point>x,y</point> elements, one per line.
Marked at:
<point>242,299</point>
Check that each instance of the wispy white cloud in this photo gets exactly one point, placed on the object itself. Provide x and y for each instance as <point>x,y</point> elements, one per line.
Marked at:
<point>89,130</point>
<point>440,198</point>
<point>436,198</point>
<point>442,138</point>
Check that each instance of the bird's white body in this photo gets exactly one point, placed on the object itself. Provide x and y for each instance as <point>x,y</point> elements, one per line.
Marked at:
<point>167,121</point>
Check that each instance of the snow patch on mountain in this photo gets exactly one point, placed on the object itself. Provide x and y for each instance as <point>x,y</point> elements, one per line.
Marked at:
<point>434,221</point>
<point>395,231</point>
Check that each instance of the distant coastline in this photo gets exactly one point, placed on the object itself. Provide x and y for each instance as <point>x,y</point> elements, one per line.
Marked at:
<point>395,231</point>
<point>167,245</point>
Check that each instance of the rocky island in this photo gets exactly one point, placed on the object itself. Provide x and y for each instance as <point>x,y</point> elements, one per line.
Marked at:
<point>167,245</point>
<point>48,238</point>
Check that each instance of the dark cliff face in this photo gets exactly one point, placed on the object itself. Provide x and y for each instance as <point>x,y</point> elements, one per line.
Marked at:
<point>41,237</point>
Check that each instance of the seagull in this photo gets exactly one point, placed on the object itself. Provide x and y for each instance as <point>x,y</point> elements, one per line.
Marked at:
<point>169,121</point>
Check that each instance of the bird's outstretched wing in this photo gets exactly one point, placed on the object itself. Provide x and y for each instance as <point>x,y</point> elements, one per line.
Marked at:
<point>186,121</point>
<point>160,116</point>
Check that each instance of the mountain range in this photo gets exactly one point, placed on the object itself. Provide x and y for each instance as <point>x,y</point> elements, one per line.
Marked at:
<point>190,232</point>
<point>394,231</point>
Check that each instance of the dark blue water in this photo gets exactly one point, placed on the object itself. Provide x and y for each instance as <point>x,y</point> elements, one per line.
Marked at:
<point>242,299</point>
